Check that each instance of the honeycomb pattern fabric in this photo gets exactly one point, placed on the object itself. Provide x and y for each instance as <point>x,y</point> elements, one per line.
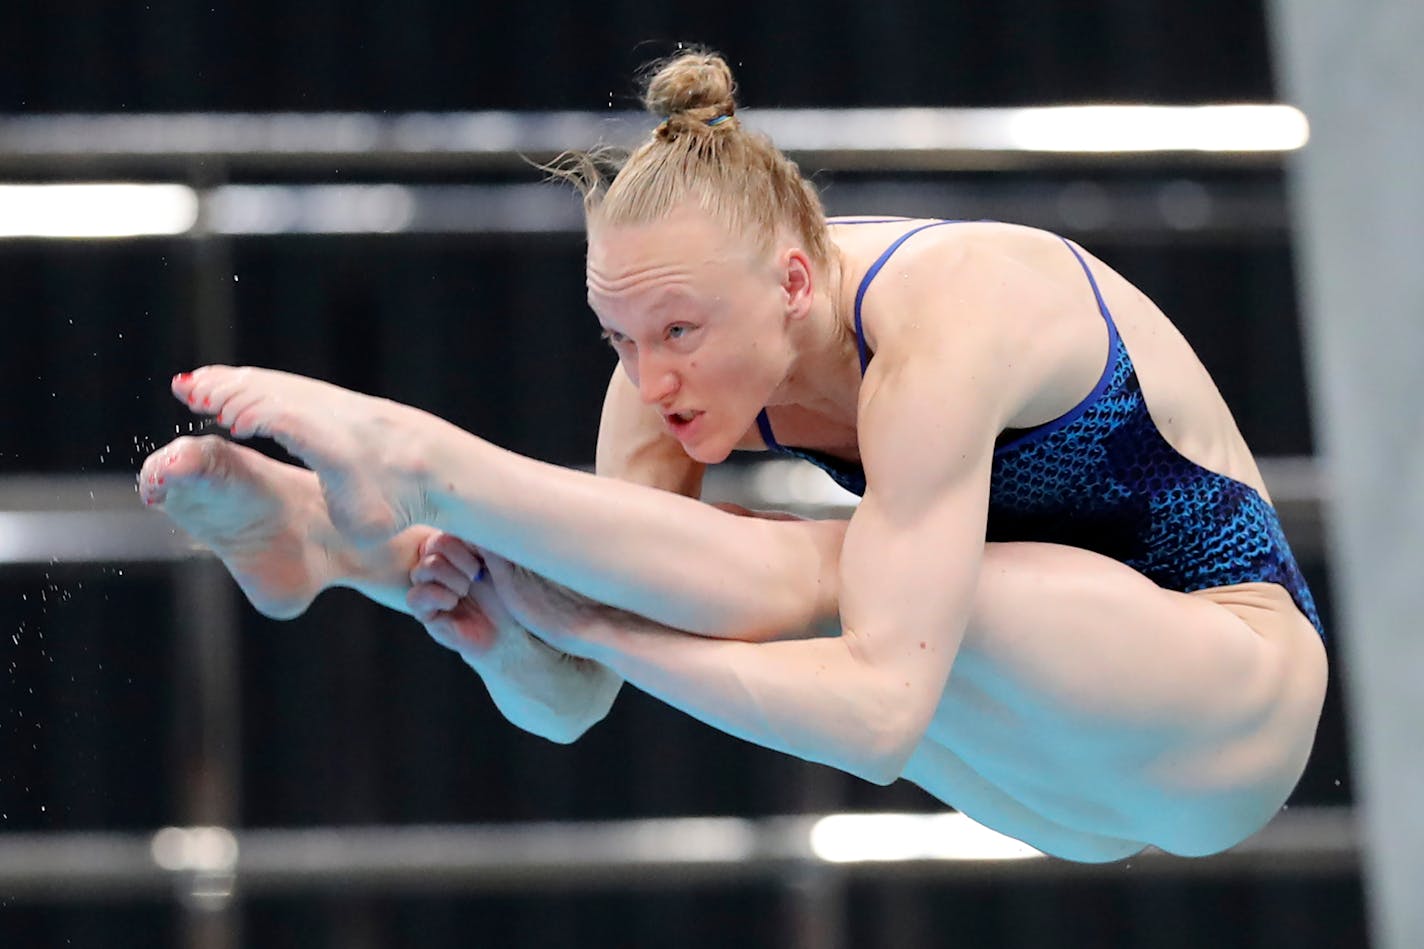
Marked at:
<point>1102,478</point>
<point>1109,482</point>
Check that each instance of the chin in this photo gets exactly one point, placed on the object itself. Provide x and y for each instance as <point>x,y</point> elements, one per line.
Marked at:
<point>708,451</point>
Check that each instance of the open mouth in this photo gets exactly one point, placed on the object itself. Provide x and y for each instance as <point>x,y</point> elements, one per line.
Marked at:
<point>680,420</point>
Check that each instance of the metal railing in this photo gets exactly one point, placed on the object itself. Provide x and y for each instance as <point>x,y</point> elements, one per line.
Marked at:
<point>215,864</point>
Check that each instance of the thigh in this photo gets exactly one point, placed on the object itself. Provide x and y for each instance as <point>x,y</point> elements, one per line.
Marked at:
<point>1103,701</point>
<point>949,777</point>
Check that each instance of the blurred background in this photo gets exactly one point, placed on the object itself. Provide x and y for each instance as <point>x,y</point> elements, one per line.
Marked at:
<point>347,199</point>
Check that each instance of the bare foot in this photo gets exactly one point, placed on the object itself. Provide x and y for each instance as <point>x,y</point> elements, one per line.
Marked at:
<point>255,513</point>
<point>366,452</point>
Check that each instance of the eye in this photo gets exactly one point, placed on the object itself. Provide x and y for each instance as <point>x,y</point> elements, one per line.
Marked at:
<point>613,337</point>
<point>678,331</point>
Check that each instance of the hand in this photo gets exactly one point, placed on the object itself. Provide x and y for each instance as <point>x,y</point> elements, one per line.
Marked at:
<point>440,598</point>
<point>558,616</point>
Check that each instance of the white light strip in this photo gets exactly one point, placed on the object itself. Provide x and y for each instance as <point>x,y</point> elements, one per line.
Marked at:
<point>1236,128</point>
<point>310,209</point>
<point>96,210</point>
<point>1137,128</point>
<point>856,838</point>
<point>1069,129</point>
<point>201,849</point>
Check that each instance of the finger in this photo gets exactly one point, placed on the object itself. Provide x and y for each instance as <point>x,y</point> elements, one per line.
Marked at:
<point>425,598</point>
<point>425,542</point>
<point>434,568</point>
<point>464,557</point>
<point>487,598</point>
<point>443,630</point>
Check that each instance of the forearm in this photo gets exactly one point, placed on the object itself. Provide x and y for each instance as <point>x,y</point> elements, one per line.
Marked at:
<point>660,555</point>
<point>536,687</point>
<point>811,698</point>
<point>542,690</point>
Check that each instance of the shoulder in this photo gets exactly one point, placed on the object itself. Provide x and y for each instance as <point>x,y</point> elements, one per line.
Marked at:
<point>959,278</point>
<point>936,321</point>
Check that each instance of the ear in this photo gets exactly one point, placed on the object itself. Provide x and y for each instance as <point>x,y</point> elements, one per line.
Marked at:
<point>797,282</point>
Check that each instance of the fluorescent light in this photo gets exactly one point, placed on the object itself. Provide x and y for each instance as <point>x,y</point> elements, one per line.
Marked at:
<point>854,838</point>
<point>96,210</point>
<point>201,849</point>
<point>1146,128</point>
<point>310,209</point>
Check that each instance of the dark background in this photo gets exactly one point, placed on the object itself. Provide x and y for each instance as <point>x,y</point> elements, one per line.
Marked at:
<point>350,715</point>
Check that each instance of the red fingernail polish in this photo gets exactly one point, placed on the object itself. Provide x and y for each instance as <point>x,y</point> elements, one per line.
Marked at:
<point>183,376</point>
<point>220,419</point>
<point>207,401</point>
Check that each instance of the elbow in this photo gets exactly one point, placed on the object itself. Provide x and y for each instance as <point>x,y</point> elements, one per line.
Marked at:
<point>563,735</point>
<point>561,730</point>
<point>887,764</point>
<point>889,747</point>
<point>567,728</point>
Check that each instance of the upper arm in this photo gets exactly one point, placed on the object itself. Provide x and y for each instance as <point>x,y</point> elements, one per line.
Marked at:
<point>910,563</point>
<point>634,446</point>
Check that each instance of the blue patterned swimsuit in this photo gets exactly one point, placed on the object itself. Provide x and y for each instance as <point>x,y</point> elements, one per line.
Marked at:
<point>1102,478</point>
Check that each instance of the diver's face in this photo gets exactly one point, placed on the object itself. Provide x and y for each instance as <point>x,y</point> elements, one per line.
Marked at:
<point>698,320</point>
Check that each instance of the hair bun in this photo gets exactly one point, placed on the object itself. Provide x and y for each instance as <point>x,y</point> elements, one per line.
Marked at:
<point>695,83</point>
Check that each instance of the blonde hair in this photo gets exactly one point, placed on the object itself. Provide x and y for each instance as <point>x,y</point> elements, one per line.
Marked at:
<point>699,153</point>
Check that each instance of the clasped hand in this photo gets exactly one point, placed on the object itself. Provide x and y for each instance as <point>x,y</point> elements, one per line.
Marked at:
<point>469,599</point>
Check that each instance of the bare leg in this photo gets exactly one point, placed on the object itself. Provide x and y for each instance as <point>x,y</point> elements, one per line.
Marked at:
<point>1088,712</point>
<point>945,775</point>
<point>1105,703</point>
<point>384,467</point>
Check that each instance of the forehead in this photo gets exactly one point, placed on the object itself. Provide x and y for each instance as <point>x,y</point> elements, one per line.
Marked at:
<point>687,250</point>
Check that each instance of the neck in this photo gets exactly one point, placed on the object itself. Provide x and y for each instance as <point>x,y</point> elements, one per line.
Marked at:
<point>825,375</point>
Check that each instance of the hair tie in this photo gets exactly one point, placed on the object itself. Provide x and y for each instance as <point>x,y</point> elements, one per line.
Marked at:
<point>713,123</point>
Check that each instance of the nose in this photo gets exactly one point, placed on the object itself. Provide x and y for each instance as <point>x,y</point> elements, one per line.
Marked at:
<point>656,382</point>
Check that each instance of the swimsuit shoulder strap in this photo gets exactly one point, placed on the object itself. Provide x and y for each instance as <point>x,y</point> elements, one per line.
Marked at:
<point>1097,295</point>
<point>764,425</point>
<point>870,275</point>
